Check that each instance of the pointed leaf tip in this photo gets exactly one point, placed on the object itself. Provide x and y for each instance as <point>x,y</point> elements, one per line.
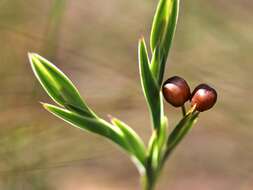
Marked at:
<point>162,34</point>
<point>149,85</point>
<point>164,24</point>
<point>57,84</point>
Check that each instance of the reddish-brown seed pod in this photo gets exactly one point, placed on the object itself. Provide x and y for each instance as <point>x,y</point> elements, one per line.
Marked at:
<point>176,91</point>
<point>204,97</point>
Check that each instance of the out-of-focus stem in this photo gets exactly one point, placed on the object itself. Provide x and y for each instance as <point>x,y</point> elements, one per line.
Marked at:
<point>147,183</point>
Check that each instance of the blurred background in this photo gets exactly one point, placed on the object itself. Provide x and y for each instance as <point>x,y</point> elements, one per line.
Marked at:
<point>95,43</point>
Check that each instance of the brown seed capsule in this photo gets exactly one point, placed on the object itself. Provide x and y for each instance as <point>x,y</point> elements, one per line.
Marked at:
<point>204,97</point>
<point>176,91</point>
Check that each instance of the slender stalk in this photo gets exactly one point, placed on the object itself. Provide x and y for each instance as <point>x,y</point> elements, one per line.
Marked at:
<point>183,110</point>
<point>147,183</point>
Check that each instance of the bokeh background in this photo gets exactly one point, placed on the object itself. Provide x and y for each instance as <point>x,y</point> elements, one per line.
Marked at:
<point>95,43</point>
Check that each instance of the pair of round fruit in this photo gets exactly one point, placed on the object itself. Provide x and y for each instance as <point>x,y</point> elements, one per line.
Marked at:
<point>176,91</point>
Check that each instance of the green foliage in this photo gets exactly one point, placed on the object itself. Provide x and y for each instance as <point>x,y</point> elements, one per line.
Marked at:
<point>74,110</point>
<point>164,24</point>
<point>163,29</point>
<point>91,124</point>
<point>180,131</point>
<point>134,142</point>
<point>149,85</point>
<point>57,85</point>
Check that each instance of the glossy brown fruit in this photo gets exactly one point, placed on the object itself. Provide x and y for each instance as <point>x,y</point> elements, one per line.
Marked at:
<point>204,97</point>
<point>176,91</point>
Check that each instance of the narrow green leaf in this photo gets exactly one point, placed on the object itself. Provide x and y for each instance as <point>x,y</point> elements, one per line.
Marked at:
<point>135,143</point>
<point>157,145</point>
<point>155,155</point>
<point>180,131</point>
<point>57,85</point>
<point>154,66</point>
<point>164,24</point>
<point>163,133</point>
<point>149,85</point>
<point>158,64</point>
<point>94,125</point>
<point>152,158</point>
<point>162,33</point>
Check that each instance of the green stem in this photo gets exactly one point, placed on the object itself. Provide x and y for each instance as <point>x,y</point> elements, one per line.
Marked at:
<point>147,183</point>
